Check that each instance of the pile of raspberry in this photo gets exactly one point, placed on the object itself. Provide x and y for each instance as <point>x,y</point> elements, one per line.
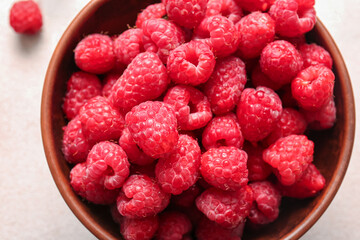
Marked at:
<point>193,124</point>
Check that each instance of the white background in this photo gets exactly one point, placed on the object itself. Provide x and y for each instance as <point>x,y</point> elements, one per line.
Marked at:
<point>31,206</point>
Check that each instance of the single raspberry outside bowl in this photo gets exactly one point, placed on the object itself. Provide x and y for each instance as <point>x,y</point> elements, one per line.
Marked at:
<point>333,147</point>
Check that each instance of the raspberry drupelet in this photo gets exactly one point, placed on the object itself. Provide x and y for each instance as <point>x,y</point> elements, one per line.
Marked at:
<point>25,17</point>
<point>314,54</point>
<point>258,169</point>
<point>258,78</point>
<point>322,119</point>
<point>152,11</point>
<point>226,8</point>
<point>173,226</point>
<point>128,45</point>
<point>139,228</point>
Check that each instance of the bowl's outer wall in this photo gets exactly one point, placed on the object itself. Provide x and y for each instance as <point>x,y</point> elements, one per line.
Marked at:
<point>332,152</point>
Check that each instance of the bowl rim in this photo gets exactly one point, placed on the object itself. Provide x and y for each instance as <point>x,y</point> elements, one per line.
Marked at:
<point>94,227</point>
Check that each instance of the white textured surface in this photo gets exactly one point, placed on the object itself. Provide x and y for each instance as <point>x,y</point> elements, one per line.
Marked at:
<point>30,204</point>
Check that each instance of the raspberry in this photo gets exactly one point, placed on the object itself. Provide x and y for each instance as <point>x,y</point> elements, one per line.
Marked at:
<point>226,84</point>
<point>25,17</point>
<point>287,98</point>
<point>152,11</point>
<point>314,54</point>
<point>267,200</point>
<point>311,182</point>
<point>228,209</point>
<point>109,161</point>
<point>187,198</point>
<point>186,13</point>
<point>226,8</point>
<point>191,63</point>
<point>92,191</point>
<point>225,168</point>
<point>100,121</point>
<point>128,45</point>
<point>223,131</point>
<point>258,78</point>
<point>95,54</point>
<point>305,4</point>
<point>161,37</point>
<point>290,21</point>
<point>75,145</point>
<point>191,107</point>
<point>258,169</point>
<point>255,5</point>
<point>179,170</point>
<point>135,155</point>
<point>141,197</point>
<point>256,30</point>
<point>258,112</point>
<point>173,225</point>
<point>153,127</point>
<point>209,230</point>
<point>144,79</point>
<point>139,229</point>
<point>296,41</point>
<point>281,62</point>
<point>290,156</point>
<point>109,81</point>
<point>219,33</point>
<point>80,88</point>
<point>322,119</point>
<point>313,87</point>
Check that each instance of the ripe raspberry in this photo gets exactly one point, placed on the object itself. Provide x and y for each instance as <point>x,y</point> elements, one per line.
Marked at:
<point>313,87</point>
<point>144,79</point>
<point>139,228</point>
<point>209,230</point>
<point>152,11</point>
<point>100,121</point>
<point>128,45</point>
<point>258,169</point>
<point>290,156</point>
<point>141,197</point>
<point>281,62</point>
<point>109,81</point>
<point>311,182</point>
<point>305,4</point>
<point>161,37</point>
<point>75,145</point>
<point>322,119</point>
<point>191,63</point>
<point>95,54</point>
<point>173,225</point>
<point>226,84</point>
<point>226,8</point>
<point>186,13</point>
<point>187,198</point>
<point>267,200</point>
<point>314,54</point>
<point>191,107</point>
<point>258,78</point>
<point>256,30</point>
<point>255,5</point>
<point>258,112</point>
<point>228,209</point>
<point>290,21</point>
<point>219,33</point>
<point>25,17</point>
<point>223,131</point>
<point>80,88</point>
<point>296,41</point>
<point>179,170</point>
<point>153,127</point>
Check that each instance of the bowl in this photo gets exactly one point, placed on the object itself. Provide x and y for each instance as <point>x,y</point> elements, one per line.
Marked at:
<point>332,152</point>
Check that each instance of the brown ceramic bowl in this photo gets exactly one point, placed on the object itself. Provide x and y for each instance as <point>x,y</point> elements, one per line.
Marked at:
<point>332,152</point>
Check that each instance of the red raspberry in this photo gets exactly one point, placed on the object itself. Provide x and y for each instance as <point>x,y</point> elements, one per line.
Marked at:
<point>153,127</point>
<point>287,98</point>
<point>109,81</point>
<point>80,88</point>
<point>256,30</point>
<point>144,79</point>
<point>258,78</point>
<point>313,87</point>
<point>25,17</point>
<point>179,170</point>
<point>258,169</point>
<point>191,63</point>
<point>311,182</point>
<point>219,33</point>
<point>100,121</point>
<point>290,21</point>
<point>223,131</point>
<point>255,5</point>
<point>191,107</point>
<point>187,198</point>
<point>152,11</point>
<point>186,13</point>
<point>267,200</point>
<point>95,54</point>
<point>296,41</point>
<point>128,45</point>
<point>305,4</point>
<point>139,228</point>
<point>258,112</point>
<point>281,62</point>
<point>314,54</point>
<point>226,84</point>
<point>209,230</point>
<point>173,225</point>
<point>141,197</point>
<point>226,8</point>
<point>322,119</point>
<point>75,145</point>
<point>290,156</point>
<point>228,209</point>
<point>225,168</point>
<point>161,37</point>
